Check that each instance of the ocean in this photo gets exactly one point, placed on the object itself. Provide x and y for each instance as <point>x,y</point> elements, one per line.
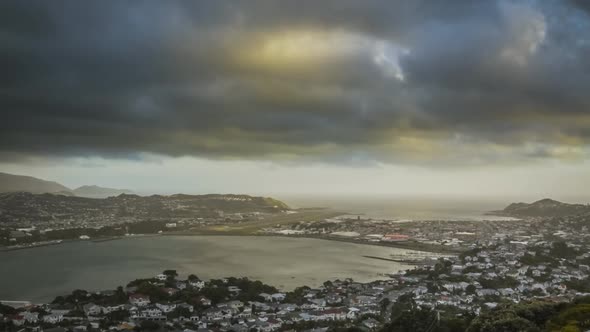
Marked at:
<point>405,208</point>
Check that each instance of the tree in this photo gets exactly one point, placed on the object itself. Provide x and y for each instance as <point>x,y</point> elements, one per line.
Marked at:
<point>148,325</point>
<point>178,312</point>
<point>154,292</point>
<point>120,297</point>
<point>171,274</point>
<point>118,316</point>
<point>297,295</point>
<point>506,321</point>
<point>575,316</point>
<point>384,304</point>
<point>7,310</point>
<point>432,287</point>
<point>403,304</point>
<point>561,250</point>
<point>412,320</point>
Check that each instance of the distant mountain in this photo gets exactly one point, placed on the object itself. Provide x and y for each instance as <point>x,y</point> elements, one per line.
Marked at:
<point>99,192</point>
<point>14,183</point>
<point>29,184</point>
<point>543,208</point>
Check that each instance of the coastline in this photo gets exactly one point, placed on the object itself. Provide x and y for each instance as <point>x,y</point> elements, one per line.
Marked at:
<point>409,245</point>
<point>62,241</point>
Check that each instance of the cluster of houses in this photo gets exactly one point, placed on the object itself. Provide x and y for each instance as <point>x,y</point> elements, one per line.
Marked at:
<point>453,235</point>
<point>335,301</point>
<point>508,272</point>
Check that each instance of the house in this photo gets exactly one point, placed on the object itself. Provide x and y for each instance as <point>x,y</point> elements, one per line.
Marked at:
<point>139,300</point>
<point>131,289</point>
<point>274,324</point>
<point>353,313</point>
<point>235,304</point>
<point>233,289</point>
<point>53,318</point>
<point>166,307</point>
<point>420,290</point>
<point>361,300</point>
<point>217,314</point>
<point>91,309</point>
<point>170,291</point>
<point>152,313</point>
<point>267,297</point>
<point>204,301</point>
<point>259,305</point>
<point>287,307</point>
<point>318,303</point>
<point>59,311</point>
<point>17,320</point>
<point>186,306</point>
<point>30,317</point>
<point>278,297</point>
<point>487,291</point>
<point>506,291</point>
<point>162,277</point>
<point>457,269</point>
<point>197,283</point>
<point>333,314</point>
<point>55,329</point>
<point>109,309</point>
<point>370,323</point>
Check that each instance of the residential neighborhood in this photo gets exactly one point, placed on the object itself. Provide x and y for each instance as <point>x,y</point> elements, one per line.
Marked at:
<point>475,282</point>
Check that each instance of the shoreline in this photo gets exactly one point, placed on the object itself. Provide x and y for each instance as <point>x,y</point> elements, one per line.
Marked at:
<point>63,241</point>
<point>408,245</point>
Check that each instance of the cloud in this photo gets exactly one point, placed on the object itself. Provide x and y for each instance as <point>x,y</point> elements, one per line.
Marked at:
<point>419,82</point>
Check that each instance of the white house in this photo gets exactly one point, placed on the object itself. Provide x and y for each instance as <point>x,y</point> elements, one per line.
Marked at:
<point>53,318</point>
<point>234,289</point>
<point>166,307</point>
<point>92,309</point>
<point>197,283</point>
<point>30,317</point>
<point>139,300</point>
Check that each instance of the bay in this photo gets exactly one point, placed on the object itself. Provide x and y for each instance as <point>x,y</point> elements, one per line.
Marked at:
<point>39,274</point>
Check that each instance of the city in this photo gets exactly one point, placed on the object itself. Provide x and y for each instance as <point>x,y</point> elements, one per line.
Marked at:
<point>280,165</point>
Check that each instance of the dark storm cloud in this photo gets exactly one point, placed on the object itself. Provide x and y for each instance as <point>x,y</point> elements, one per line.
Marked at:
<point>408,81</point>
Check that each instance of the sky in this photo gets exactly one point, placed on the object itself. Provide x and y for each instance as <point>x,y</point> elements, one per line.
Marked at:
<point>293,97</point>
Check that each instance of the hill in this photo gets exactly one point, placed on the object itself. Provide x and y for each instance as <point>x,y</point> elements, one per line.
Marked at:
<point>21,183</point>
<point>99,192</point>
<point>543,208</point>
<point>14,183</point>
<point>27,208</point>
